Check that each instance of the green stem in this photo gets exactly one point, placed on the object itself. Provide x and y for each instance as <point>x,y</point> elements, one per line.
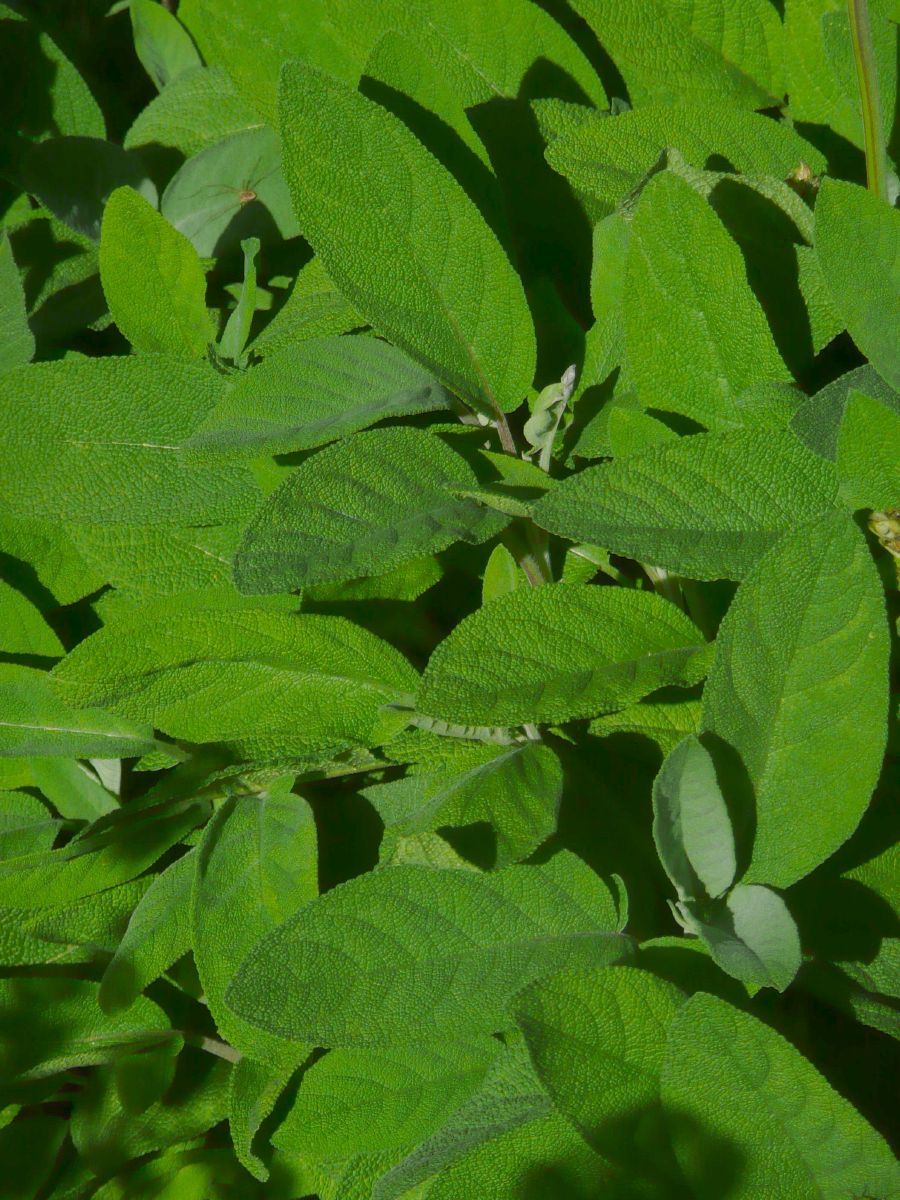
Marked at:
<point>863,52</point>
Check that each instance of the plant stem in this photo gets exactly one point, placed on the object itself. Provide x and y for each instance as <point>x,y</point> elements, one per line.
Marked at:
<point>507,441</point>
<point>863,52</point>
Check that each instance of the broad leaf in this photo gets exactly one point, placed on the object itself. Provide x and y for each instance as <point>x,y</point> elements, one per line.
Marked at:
<point>257,866</point>
<point>691,824</point>
<point>99,440</point>
<point>730,1081</point>
<point>152,279</point>
<point>16,338</point>
<point>403,242</point>
<point>695,334</point>
<point>161,42</point>
<point>725,50</point>
<point>22,628</point>
<point>867,459</point>
<point>516,789</point>
<point>197,109</point>
<point>857,241</point>
<point>707,506</point>
<point>438,953</point>
<point>272,682</point>
<point>799,689</point>
<point>361,508</point>
<point>315,392</point>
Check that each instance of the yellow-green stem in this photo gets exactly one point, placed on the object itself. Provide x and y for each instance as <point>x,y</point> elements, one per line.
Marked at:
<point>873,134</point>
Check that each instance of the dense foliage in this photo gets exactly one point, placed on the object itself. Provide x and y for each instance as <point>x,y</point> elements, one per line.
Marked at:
<point>449,529</point>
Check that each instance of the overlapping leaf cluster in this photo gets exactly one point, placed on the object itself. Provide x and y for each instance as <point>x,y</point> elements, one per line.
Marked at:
<point>449,525</point>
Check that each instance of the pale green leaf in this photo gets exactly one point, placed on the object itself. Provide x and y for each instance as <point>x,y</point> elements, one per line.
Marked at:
<point>361,507</point>
<point>558,652</point>
<point>231,190</point>
<point>316,391</point>
<point>799,689</point>
<point>707,506</point>
<point>516,789</point>
<point>725,50</point>
<point>751,935</point>
<point>161,42</point>
<point>34,720</point>
<point>691,824</point>
<point>501,574</point>
<point>274,683</point>
<point>439,954</point>
<point>157,934</point>
<point>99,440</point>
<point>857,242</point>
<point>695,333</point>
<point>16,338</point>
<point>195,110</point>
<point>731,1081</point>
<point>403,242</point>
<point>257,866</point>
<point>72,787</point>
<point>152,279</point>
<point>868,453</point>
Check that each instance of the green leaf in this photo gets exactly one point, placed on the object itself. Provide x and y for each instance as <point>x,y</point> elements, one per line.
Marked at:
<point>28,1151</point>
<point>857,236</point>
<point>314,309</point>
<point>60,1025</point>
<point>26,826</point>
<point>691,823</point>
<point>681,263</point>
<point>161,42</point>
<point>253,1092</point>
<point>75,176</point>
<point>257,866</point>
<point>817,421</point>
<point>99,440</point>
<point>16,338</point>
<point>281,684</point>
<point>50,554</point>
<point>798,688</point>
<point>314,392</point>
<point>231,190</point>
<point>236,333</point>
<point>607,158</point>
<point>440,952</point>
<point>751,935</point>
<point>22,628</point>
<point>516,789</point>
<point>198,108</point>
<point>726,50</point>
<point>597,1039</point>
<point>728,1079</point>
<point>93,922</point>
<point>160,559</point>
<point>706,506</point>
<point>867,458</point>
<point>157,934</point>
<point>35,721</point>
<point>501,575</point>
<point>556,653</point>
<point>152,279</point>
<point>127,843</point>
<point>72,787</point>
<point>361,507</point>
<point>666,722</point>
<point>400,238</point>
<point>368,1101</point>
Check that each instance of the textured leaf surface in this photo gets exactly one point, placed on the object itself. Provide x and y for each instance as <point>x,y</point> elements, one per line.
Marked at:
<point>157,934</point>
<point>744,1084</point>
<point>597,1039</point>
<point>857,241</point>
<point>361,508</point>
<point>257,865</point>
<point>664,722</point>
<point>868,453</point>
<point>799,689</point>
<point>725,49</point>
<point>695,333</point>
<point>403,242</point>
<point>253,1092</point>
<point>316,392</point>
<point>35,721</point>
<point>607,158</point>
<point>314,309</point>
<point>16,338</point>
<point>419,953</point>
<point>517,789</point>
<point>99,440</point>
<point>691,824</point>
<point>152,279</point>
<point>706,506</point>
<point>195,110</point>
<point>281,683</point>
<point>22,628</point>
<point>25,825</point>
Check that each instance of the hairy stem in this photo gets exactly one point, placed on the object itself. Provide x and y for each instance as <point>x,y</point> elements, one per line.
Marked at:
<point>863,52</point>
